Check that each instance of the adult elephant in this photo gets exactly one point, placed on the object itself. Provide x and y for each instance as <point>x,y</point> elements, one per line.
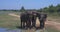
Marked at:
<point>42,18</point>
<point>34,16</point>
<point>26,18</point>
<point>23,19</point>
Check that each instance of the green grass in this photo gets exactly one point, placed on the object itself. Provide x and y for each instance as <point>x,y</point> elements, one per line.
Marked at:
<point>8,21</point>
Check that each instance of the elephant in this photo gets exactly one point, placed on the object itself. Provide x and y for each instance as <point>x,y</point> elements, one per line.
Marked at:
<point>30,17</point>
<point>42,18</point>
<point>34,16</point>
<point>26,18</point>
<point>23,19</point>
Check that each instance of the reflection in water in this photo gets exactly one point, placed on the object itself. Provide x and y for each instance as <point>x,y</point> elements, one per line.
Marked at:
<point>2,30</point>
<point>17,30</point>
<point>6,30</point>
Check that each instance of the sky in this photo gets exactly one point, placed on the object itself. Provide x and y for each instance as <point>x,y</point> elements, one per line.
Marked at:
<point>28,4</point>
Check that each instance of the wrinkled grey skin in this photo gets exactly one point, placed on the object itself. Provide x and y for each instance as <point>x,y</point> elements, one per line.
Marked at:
<point>23,19</point>
<point>42,18</point>
<point>28,17</point>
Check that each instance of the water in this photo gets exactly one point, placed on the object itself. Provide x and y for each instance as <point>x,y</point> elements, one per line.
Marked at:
<point>16,30</point>
<point>7,30</point>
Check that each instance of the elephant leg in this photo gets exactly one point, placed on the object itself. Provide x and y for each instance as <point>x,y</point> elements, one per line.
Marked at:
<point>26,24</point>
<point>29,24</point>
<point>41,24</point>
<point>33,23</point>
<point>23,24</point>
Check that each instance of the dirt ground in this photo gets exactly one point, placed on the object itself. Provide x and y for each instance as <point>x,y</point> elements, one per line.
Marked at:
<point>12,14</point>
<point>50,23</point>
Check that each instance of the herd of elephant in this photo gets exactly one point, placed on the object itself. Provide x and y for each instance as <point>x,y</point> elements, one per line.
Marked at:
<point>28,19</point>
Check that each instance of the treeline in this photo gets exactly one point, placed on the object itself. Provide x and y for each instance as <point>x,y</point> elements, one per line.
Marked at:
<point>50,9</point>
<point>9,10</point>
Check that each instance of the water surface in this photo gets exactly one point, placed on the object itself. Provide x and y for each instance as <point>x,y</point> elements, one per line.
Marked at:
<point>8,30</point>
<point>15,30</point>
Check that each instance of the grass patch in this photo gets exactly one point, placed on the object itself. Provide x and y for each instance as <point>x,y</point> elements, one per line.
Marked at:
<point>8,21</point>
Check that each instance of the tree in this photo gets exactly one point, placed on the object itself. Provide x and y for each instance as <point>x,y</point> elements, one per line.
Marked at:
<point>22,9</point>
<point>58,8</point>
<point>51,9</point>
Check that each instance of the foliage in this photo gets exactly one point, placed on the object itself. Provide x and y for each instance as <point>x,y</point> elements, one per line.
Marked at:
<point>22,9</point>
<point>52,9</point>
<point>49,9</point>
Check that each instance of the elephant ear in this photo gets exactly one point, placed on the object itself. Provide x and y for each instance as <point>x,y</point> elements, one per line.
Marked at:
<point>37,22</point>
